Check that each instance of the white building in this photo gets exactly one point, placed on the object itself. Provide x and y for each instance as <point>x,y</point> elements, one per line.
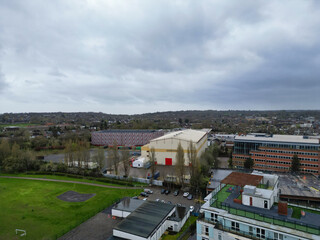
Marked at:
<point>166,146</point>
<point>149,221</point>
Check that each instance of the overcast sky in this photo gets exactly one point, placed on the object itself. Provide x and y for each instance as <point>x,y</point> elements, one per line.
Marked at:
<point>146,56</point>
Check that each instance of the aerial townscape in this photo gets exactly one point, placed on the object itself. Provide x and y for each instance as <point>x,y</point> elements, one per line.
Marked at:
<point>160,120</point>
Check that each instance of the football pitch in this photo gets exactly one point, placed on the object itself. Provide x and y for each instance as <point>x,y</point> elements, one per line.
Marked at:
<point>33,206</point>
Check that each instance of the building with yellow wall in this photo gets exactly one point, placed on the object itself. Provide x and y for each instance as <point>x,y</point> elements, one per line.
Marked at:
<point>166,146</point>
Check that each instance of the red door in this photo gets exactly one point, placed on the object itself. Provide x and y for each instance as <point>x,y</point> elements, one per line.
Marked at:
<point>169,161</point>
<point>250,201</point>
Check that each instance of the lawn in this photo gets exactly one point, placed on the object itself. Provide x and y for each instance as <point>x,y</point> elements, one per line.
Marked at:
<point>62,178</point>
<point>33,206</point>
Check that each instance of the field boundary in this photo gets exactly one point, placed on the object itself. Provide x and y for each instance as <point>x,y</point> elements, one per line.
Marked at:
<point>68,181</point>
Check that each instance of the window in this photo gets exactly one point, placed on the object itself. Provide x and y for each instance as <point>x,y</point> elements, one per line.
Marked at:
<point>250,230</point>
<point>235,226</point>
<point>205,230</point>
<point>277,236</point>
<point>214,217</point>
<point>261,233</point>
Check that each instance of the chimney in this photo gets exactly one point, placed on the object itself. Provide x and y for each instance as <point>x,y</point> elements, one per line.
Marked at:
<point>283,208</point>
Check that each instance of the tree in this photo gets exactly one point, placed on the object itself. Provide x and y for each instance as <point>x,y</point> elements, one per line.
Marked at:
<point>192,156</point>
<point>295,165</point>
<point>180,167</point>
<point>248,164</point>
<point>230,162</point>
<point>153,162</point>
<point>99,158</point>
<point>114,157</point>
<point>125,155</point>
<point>4,151</point>
<point>215,154</point>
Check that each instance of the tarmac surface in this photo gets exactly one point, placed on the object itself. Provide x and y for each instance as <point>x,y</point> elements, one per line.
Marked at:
<point>72,196</point>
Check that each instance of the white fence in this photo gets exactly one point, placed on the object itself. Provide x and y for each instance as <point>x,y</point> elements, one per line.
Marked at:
<point>141,180</point>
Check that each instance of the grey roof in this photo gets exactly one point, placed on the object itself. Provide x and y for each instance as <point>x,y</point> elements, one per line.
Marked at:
<point>128,204</point>
<point>128,130</point>
<point>179,214</point>
<point>145,219</point>
<point>278,138</point>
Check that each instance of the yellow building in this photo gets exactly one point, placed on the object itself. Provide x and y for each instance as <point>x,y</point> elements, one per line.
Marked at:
<point>166,146</point>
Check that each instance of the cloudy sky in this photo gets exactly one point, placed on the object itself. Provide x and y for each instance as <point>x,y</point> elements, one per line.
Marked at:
<point>146,56</point>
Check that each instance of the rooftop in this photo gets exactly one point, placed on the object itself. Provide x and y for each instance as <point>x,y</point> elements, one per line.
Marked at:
<point>127,130</point>
<point>128,204</point>
<point>223,199</point>
<point>242,179</point>
<point>145,219</point>
<point>185,135</point>
<point>278,138</point>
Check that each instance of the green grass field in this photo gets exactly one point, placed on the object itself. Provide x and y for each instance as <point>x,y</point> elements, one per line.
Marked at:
<point>61,178</point>
<point>33,206</point>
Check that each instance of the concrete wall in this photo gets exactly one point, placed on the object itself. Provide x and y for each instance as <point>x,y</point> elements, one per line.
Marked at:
<point>125,235</point>
<point>256,201</point>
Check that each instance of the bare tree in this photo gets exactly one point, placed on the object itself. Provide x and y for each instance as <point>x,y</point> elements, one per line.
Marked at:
<point>99,158</point>
<point>153,162</point>
<point>114,157</point>
<point>125,155</point>
<point>192,156</point>
<point>180,167</point>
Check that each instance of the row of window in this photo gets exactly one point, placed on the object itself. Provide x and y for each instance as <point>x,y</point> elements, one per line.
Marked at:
<point>272,166</point>
<point>286,163</point>
<point>286,157</point>
<point>291,152</point>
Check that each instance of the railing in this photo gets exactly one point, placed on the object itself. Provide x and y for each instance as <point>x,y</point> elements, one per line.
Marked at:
<point>214,193</point>
<point>309,228</point>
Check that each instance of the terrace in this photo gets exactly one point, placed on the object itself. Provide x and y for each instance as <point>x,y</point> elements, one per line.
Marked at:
<point>223,198</point>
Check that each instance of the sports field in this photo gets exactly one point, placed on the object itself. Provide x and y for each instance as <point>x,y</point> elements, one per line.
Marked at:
<point>33,206</point>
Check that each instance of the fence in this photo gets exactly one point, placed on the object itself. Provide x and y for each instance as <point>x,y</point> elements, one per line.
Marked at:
<point>309,228</point>
<point>140,180</point>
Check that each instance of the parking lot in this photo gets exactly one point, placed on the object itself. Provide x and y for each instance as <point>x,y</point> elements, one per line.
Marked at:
<point>171,198</point>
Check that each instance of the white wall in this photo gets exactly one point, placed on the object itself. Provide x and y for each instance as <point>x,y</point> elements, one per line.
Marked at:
<point>256,201</point>
<point>119,213</point>
<point>125,235</point>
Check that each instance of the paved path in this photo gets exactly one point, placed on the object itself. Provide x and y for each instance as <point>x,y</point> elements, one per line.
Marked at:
<point>67,181</point>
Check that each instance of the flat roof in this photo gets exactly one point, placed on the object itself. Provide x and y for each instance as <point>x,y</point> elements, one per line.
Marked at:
<point>145,219</point>
<point>128,204</point>
<point>185,135</point>
<point>128,130</point>
<point>242,179</point>
<point>278,138</point>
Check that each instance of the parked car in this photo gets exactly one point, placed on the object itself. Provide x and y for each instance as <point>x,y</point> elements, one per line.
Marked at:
<point>189,197</point>
<point>148,191</point>
<point>169,202</point>
<point>157,200</point>
<point>135,197</point>
<point>191,208</point>
<point>163,201</point>
<point>163,191</point>
<point>143,194</point>
<point>176,193</point>
<point>186,194</point>
<point>144,199</point>
<point>167,191</point>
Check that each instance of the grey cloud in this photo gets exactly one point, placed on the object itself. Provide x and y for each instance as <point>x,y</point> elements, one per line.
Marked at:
<point>218,54</point>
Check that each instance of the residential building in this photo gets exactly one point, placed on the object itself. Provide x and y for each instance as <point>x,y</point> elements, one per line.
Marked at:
<point>126,137</point>
<point>248,207</point>
<point>275,152</point>
<point>166,146</point>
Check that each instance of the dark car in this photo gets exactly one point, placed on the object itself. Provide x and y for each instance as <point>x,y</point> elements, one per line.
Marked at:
<point>190,197</point>
<point>135,197</point>
<point>176,192</point>
<point>143,194</point>
<point>163,191</point>
<point>167,192</point>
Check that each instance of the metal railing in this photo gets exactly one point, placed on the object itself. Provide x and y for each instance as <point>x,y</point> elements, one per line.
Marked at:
<point>309,228</point>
